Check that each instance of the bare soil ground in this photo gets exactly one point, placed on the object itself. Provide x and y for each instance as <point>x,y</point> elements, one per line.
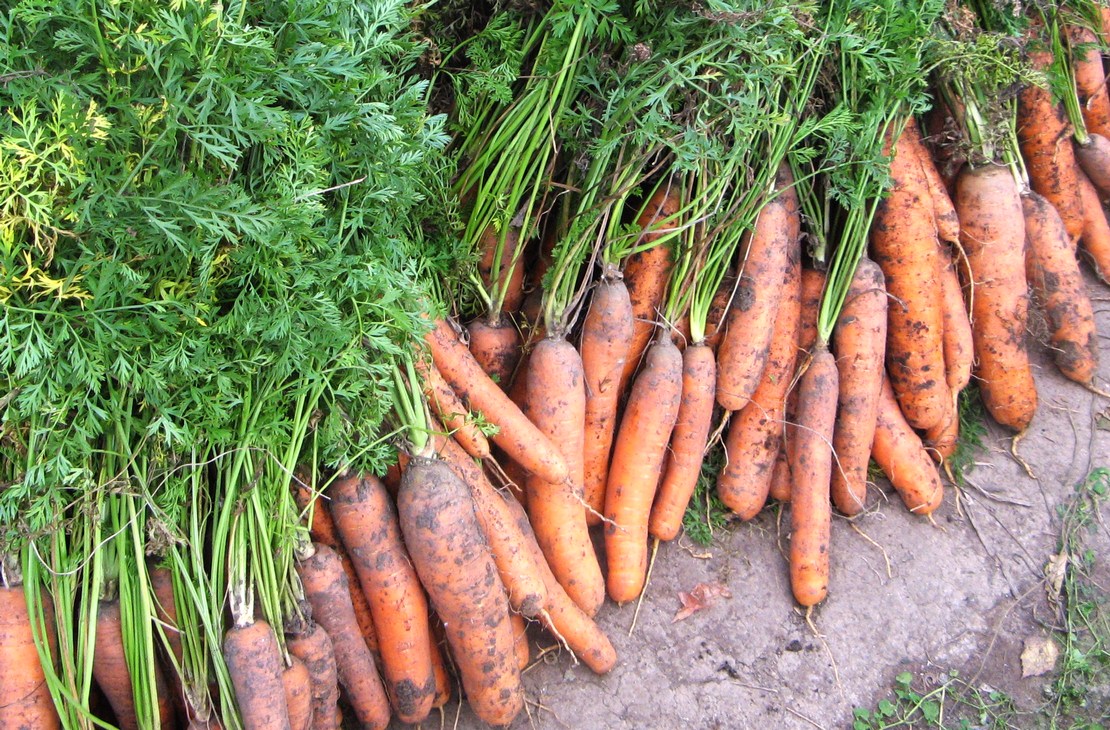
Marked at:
<point>962,593</point>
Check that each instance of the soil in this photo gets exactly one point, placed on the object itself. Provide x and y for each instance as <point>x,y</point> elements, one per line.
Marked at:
<point>962,592</point>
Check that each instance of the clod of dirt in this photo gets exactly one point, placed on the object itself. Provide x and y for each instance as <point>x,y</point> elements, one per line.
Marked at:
<point>1039,656</point>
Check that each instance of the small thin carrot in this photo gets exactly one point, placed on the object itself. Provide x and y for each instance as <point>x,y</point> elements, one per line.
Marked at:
<point>297,683</point>
<point>313,647</point>
<point>439,662</point>
<point>1093,157</point>
<point>899,453</point>
<point>959,343</point>
<point>510,274</point>
<point>254,664</point>
<point>1094,246</point>
<point>450,410</point>
<point>1090,79</point>
<point>113,675</point>
<point>780,476</point>
<point>520,640</point>
<point>944,212</point>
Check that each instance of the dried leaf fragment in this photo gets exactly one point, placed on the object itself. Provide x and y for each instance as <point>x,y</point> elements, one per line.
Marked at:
<point>701,597</point>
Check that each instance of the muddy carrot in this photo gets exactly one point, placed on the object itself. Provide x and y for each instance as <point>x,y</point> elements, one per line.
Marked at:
<point>496,345</point>
<point>899,453</point>
<point>1094,245</point>
<point>944,212</point>
<point>297,683</point>
<point>254,664</point>
<point>25,700</point>
<point>959,345</point>
<point>314,648</point>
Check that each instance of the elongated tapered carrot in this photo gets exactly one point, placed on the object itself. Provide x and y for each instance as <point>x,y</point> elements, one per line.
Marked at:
<point>297,683</point>
<point>1044,135</point>
<point>254,665</point>
<point>561,616</point>
<point>313,647</point>
<point>859,340</point>
<point>448,551</point>
<point>367,522</point>
<point>25,700</point>
<point>904,244</point>
<point>780,476</point>
<point>510,275</point>
<point>638,453</point>
<point>899,453</point>
<point>450,410</point>
<point>813,286</point>
<point>518,436</point>
<point>439,661</point>
<point>959,344</point>
<point>943,139</point>
<point>645,276</point>
<point>520,640</point>
<point>745,346</point>
<point>515,565</point>
<point>942,439</point>
<point>1090,79</point>
<point>944,212</point>
<point>557,405</point>
<point>165,610</point>
<point>113,675</point>
<point>1053,273</point>
<point>1094,159</point>
<point>496,345</point>
<point>993,236</point>
<point>718,312</point>
<point>755,433</point>
<point>325,588</point>
<point>1094,246</point>
<point>606,340</point>
<point>811,469</point>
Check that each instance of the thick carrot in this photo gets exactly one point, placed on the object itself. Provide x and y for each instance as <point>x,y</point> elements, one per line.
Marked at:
<point>645,276</point>
<point>325,588</point>
<point>780,477</point>
<point>1094,159</point>
<point>905,246</point>
<point>495,344</point>
<point>25,700</point>
<point>745,346</point>
<point>944,212</point>
<point>1094,246</point>
<point>1090,80</point>
<point>518,436</point>
<point>1053,272</point>
<point>515,565</point>
<point>959,343</point>
<point>520,640</point>
<point>993,237</point>
<point>1044,135</point>
<point>859,340</point>
<point>113,675</point>
<point>899,453</point>
<point>688,442</point>
<point>638,453</point>
<point>606,339</point>
<point>254,664</point>
<point>367,522</point>
<point>298,693</point>
<point>445,543</point>
<point>811,468</point>
<point>314,648</point>
<point>561,616</point>
<point>755,433</point>
<point>450,410</point>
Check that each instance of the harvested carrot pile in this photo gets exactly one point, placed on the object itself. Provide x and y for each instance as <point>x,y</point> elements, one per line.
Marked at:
<point>333,334</point>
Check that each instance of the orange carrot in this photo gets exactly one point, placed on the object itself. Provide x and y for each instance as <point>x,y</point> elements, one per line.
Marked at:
<point>1094,159</point>
<point>606,339</point>
<point>297,683</point>
<point>993,237</point>
<point>959,344</point>
<point>439,662</point>
<point>1053,273</point>
<point>1094,246</point>
<point>899,453</point>
<point>718,311</point>
<point>859,340</point>
<point>904,244</point>
<point>813,286</point>
<point>450,410</point>
<point>1090,80</point>
<point>780,476</point>
<point>941,440</point>
<point>325,588</point>
<point>520,640</point>
<point>518,436</point>
<point>313,647</point>
<point>437,518</point>
<point>641,444</point>
<point>113,675</point>
<point>165,610</point>
<point>944,212</point>
<point>944,140</point>
<point>510,275</point>
<point>495,344</point>
<point>25,700</point>
<point>254,665</point>
<point>367,522</point>
<point>811,468</point>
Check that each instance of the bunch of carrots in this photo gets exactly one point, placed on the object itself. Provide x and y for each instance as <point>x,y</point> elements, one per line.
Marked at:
<point>794,233</point>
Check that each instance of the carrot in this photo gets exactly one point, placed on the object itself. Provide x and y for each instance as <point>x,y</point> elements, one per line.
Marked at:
<point>495,344</point>
<point>641,444</point>
<point>811,468</point>
<point>745,346</point>
<point>780,476</point>
<point>1044,136</point>
<point>755,433</point>
<point>606,339</point>
<point>813,286</point>
<point>510,275</point>
<point>556,397</point>
<point>899,453</point>
<point>1090,80</point>
<point>518,436</point>
<point>445,543</point>
<point>298,693</point>
<point>314,648</point>
<point>165,610</point>
<point>645,275</point>
<point>993,237</point>
<point>450,410</point>
<point>1094,159</point>
<point>515,565</point>
<point>688,441</point>
<point>561,616</point>
<point>959,344</point>
<point>859,340</point>
<point>439,662</point>
<point>113,675</point>
<point>1053,273</point>
<point>1095,243</point>
<point>944,141</point>
<point>718,310</point>
<point>941,440</point>
<point>367,522</point>
<point>520,640</point>
<point>327,592</point>
<point>25,700</point>
<point>904,245</point>
<point>254,664</point>
<point>944,212</point>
